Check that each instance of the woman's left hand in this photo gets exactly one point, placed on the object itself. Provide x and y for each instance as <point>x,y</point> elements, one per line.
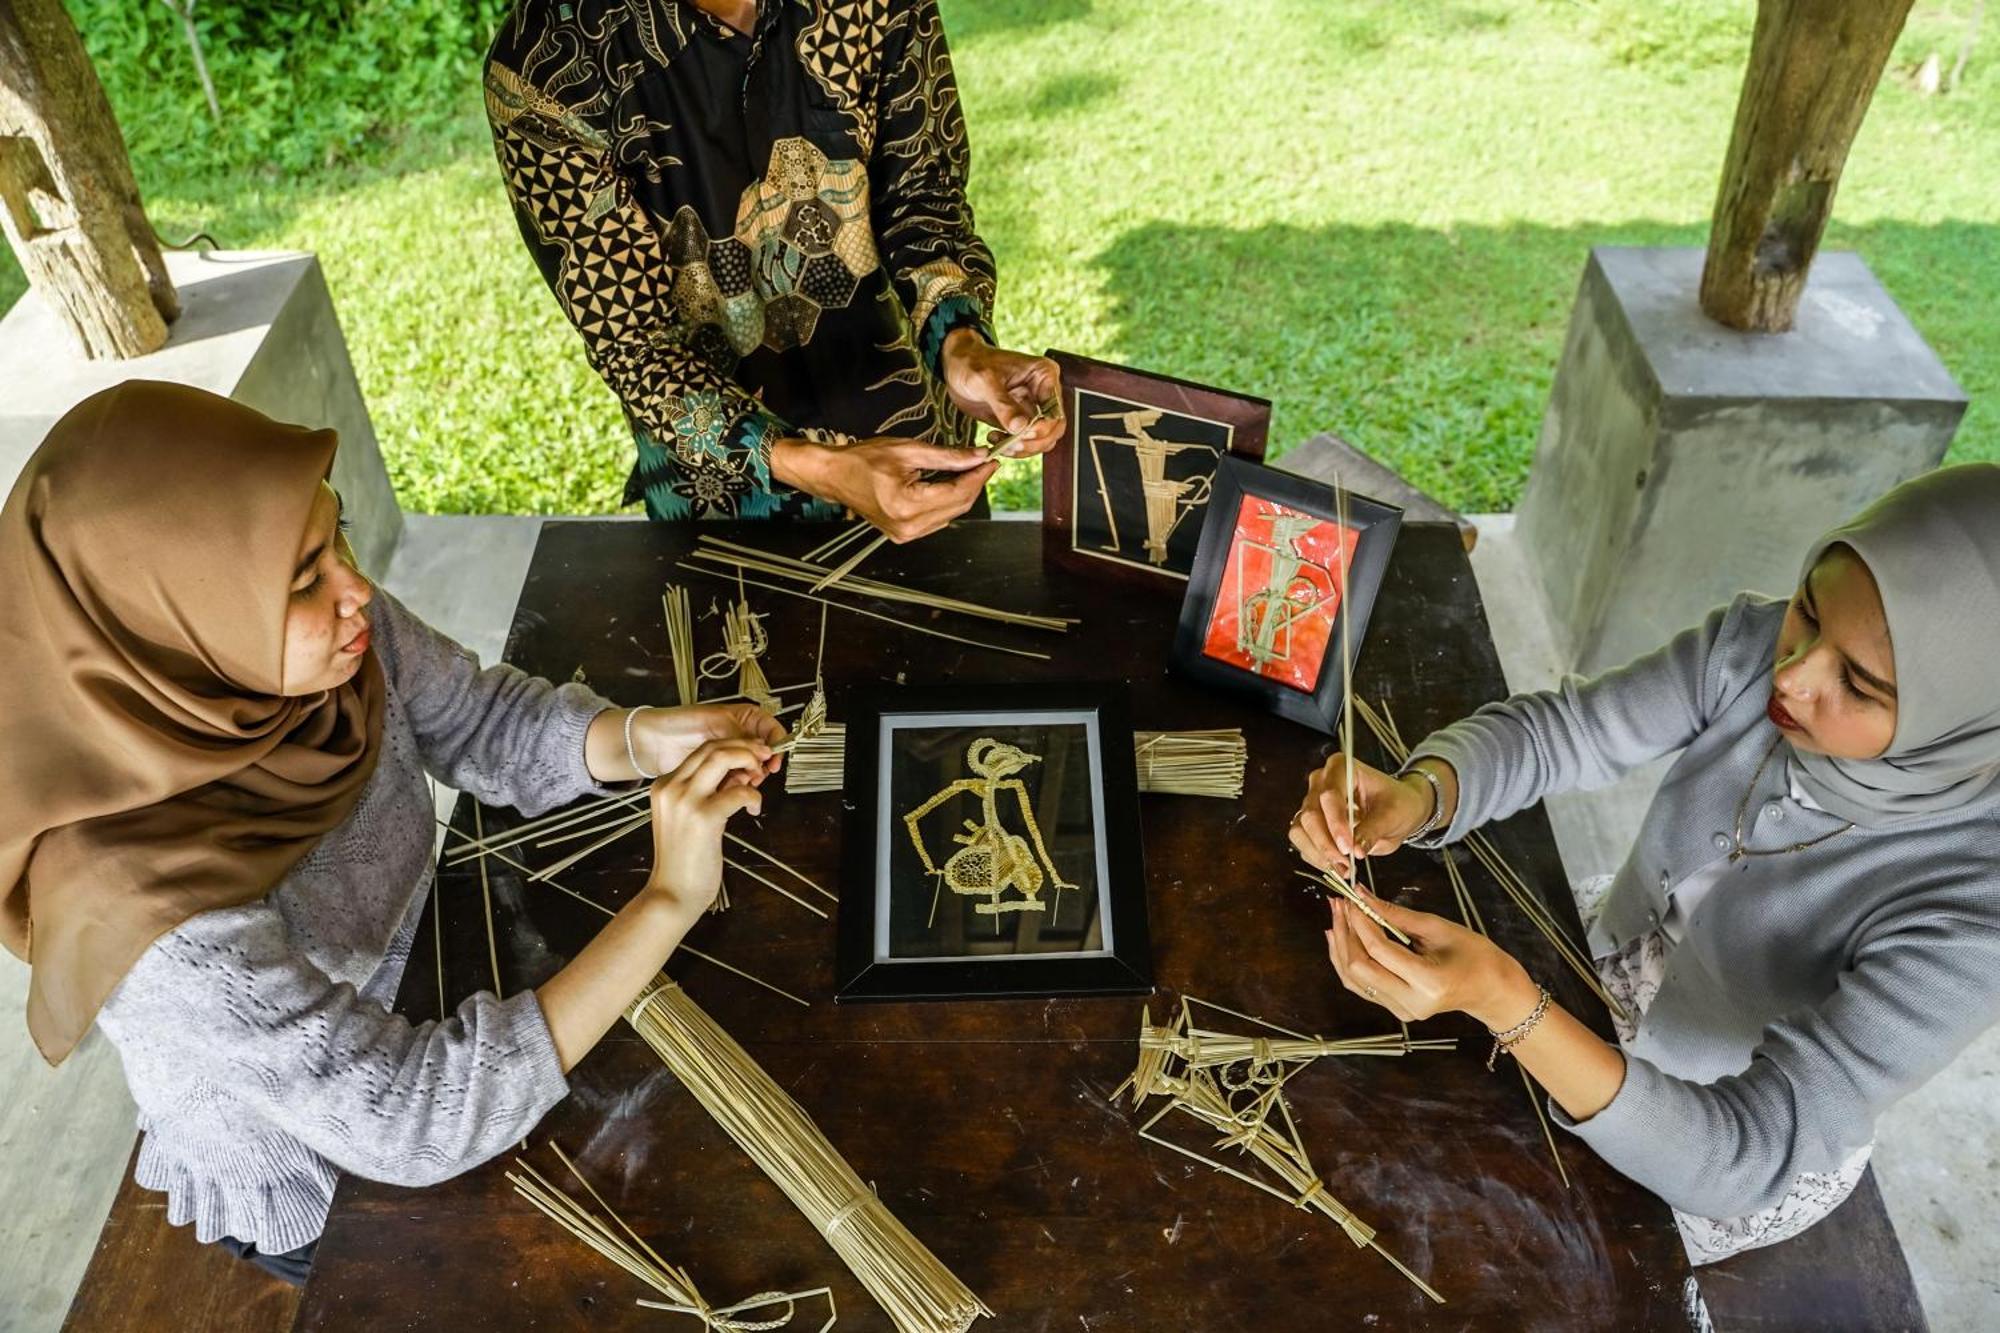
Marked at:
<point>1004,389</point>
<point>663,737</point>
<point>1447,968</point>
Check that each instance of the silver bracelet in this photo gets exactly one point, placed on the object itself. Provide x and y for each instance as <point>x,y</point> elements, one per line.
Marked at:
<point>630,757</point>
<point>1506,1041</point>
<point>1424,830</point>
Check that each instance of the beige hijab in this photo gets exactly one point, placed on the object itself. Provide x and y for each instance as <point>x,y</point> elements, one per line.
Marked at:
<point>151,769</point>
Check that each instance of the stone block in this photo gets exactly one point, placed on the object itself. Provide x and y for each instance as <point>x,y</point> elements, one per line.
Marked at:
<point>1681,462</point>
<point>256,327</point>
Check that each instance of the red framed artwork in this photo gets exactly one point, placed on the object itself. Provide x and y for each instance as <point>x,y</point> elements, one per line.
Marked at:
<point>1281,589</point>
<point>1274,613</point>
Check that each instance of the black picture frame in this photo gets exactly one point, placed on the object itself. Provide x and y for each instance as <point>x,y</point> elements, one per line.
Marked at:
<point>1094,506</point>
<point>1200,631</point>
<point>875,885</point>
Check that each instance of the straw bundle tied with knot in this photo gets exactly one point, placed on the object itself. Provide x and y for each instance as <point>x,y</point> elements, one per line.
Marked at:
<point>750,1315</point>
<point>919,1293</point>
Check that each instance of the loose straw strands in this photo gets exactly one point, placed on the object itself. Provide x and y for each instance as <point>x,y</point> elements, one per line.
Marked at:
<point>623,822</point>
<point>1390,739</point>
<point>642,1261</point>
<point>682,947</point>
<point>1192,763</point>
<point>715,550</point>
<point>919,1293</point>
<point>680,642</point>
<point>876,615</point>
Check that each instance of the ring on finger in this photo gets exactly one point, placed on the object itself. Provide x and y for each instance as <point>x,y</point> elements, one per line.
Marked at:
<point>1368,992</point>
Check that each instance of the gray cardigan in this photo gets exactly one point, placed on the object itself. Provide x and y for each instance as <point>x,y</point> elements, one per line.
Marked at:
<point>257,1039</point>
<point>1811,990</point>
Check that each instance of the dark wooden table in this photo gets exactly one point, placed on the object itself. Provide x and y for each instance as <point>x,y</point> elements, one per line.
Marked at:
<point>987,1126</point>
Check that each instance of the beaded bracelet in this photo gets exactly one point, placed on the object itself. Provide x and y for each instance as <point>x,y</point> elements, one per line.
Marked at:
<point>1506,1041</point>
<point>630,756</point>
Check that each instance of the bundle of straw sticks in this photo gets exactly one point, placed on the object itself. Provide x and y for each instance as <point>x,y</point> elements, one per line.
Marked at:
<point>1191,763</point>
<point>766,1310</point>
<point>919,1293</point>
<point>1172,763</point>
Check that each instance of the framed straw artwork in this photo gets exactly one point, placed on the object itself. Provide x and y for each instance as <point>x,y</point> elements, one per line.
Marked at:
<point>991,846</point>
<point>1282,589</point>
<point>1127,485</point>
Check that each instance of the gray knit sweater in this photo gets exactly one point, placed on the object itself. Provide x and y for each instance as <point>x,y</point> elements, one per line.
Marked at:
<point>1811,990</point>
<point>257,1039</point>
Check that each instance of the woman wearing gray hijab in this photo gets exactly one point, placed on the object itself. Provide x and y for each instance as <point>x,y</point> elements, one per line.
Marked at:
<point>1808,926</point>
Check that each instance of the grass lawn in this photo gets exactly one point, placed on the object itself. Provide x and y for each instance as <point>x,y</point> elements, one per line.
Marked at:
<point>1373,214</point>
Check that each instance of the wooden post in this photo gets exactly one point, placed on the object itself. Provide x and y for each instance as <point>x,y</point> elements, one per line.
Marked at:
<point>1813,66</point>
<point>68,201</point>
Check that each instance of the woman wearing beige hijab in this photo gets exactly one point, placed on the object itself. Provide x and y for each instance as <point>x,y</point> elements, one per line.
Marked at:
<point>217,830</point>
<point>1808,926</point>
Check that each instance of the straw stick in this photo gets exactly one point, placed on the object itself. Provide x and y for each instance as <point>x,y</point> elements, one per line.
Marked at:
<point>828,894</point>
<point>775,887</point>
<point>872,615</point>
<point>917,1291</point>
<point>680,643</point>
<point>632,825</point>
<point>846,536</point>
<point>848,566</point>
<point>486,897</point>
<point>682,947</point>
<point>1510,882</point>
<point>631,1253</point>
<point>469,846</point>
<point>719,551</point>
<point>1347,891</point>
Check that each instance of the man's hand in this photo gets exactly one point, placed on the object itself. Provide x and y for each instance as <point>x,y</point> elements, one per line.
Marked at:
<point>890,482</point>
<point>1003,389</point>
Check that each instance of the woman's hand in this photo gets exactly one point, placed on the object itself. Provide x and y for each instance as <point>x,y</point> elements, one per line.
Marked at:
<point>663,738</point>
<point>893,483</point>
<point>1386,810</point>
<point>1448,968</point>
<point>1003,389</point>
<point>690,806</point>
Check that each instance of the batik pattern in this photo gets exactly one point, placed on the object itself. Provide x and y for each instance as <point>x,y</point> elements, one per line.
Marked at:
<point>692,314</point>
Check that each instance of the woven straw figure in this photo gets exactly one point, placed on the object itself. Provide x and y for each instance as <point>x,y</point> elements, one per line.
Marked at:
<point>991,860</point>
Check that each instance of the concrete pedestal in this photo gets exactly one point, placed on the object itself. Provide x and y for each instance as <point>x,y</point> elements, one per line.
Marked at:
<point>256,327</point>
<point>1681,462</point>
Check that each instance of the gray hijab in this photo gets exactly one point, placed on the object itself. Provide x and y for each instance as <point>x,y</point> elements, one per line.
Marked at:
<point>1933,545</point>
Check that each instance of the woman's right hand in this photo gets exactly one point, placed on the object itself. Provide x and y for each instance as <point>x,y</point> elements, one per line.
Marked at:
<point>1386,811</point>
<point>690,807</point>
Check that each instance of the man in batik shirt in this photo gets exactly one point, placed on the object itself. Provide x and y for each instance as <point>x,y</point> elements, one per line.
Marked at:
<point>755,215</point>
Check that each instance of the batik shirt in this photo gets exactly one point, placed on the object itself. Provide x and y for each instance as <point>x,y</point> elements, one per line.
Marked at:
<point>757,236</point>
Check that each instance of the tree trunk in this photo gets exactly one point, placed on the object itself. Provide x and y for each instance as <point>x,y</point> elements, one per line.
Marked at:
<point>68,201</point>
<point>1813,66</point>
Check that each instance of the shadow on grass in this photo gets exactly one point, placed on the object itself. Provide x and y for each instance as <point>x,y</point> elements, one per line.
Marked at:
<point>1433,349</point>
<point>971,20</point>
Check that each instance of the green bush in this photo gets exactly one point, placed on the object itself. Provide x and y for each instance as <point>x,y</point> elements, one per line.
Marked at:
<point>302,86</point>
